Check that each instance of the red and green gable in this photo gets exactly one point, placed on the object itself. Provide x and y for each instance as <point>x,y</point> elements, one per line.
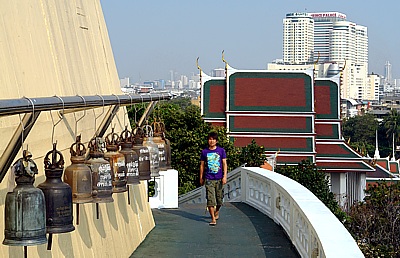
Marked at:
<point>394,166</point>
<point>260,91</point>
<point>290,159</point>
<point>384,163</point>
<point>342,166</point>
<point>326,99</point>
<point>213,104</point>
<point>335,150</point>
<point>301,144</point>
<point>327,130</point>
<point>264,123</point>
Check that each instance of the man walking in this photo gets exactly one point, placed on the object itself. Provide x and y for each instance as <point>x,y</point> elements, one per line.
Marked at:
<point>213,173</point>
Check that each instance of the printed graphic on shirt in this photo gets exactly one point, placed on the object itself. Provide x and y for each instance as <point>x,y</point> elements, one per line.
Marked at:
<point>213,162</point>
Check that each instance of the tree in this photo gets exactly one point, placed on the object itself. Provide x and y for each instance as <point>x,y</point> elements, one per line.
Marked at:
<point>252,154</point>
<point>375,222</point>
<point>392,126</point>
<point>360,132</point>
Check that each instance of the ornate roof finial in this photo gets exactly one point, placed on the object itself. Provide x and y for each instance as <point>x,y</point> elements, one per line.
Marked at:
<point>223,59</point>
<point>197,64</point>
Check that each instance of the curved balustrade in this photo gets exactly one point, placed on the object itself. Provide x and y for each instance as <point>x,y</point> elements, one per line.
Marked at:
<point>312,228</point>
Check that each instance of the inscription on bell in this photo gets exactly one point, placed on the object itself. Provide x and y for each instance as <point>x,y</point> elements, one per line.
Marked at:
<point>133,168</point>
<point>64,211</point>
<point>104,175</point>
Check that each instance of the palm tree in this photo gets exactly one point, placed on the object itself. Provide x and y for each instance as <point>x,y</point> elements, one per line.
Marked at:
<point>392,126</point>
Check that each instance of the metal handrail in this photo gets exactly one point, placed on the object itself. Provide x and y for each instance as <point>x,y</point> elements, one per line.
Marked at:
<point>24,105</point>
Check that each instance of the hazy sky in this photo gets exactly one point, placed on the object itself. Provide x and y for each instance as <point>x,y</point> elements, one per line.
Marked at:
<point>151,37</point>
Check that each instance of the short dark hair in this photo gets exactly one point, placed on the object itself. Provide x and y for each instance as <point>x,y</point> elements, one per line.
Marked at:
<point>213,135</point>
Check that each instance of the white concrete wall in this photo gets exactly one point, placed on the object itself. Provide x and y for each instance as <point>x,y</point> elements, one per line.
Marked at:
<point>48,48</point>
<point>166,190</point>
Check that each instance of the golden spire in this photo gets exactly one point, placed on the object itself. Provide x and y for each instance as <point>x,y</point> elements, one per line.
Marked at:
<point>223,59</point>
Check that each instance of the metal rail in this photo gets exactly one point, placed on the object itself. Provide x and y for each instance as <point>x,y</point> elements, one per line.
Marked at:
<point>26,105</point>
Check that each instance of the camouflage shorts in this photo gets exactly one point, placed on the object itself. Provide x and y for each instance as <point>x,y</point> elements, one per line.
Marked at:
<point>214,192</point>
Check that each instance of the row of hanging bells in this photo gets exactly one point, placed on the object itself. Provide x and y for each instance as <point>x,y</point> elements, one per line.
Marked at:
<point>32,212</point>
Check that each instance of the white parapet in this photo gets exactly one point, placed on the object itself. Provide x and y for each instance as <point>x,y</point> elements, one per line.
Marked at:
<point>311,226</point>
<point>166,190</point>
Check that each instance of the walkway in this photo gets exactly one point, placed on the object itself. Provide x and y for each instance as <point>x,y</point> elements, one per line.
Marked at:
<point>241,231</point>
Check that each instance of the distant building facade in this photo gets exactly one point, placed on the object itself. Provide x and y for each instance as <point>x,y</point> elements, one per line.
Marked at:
<point>328,38</point>
<point>323,27</point>
<point>298,38</point>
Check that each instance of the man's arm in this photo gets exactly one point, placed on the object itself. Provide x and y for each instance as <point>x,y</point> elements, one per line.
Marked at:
<point>201,172</point>
<point>225,171</point>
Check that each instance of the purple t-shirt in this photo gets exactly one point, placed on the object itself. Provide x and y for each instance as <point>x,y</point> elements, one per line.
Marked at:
<point>213,163</point>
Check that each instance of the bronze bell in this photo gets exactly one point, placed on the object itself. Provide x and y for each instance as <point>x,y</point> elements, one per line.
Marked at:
<point>154,155</point>
<point>78,175</point>
<point>143,155</point>
<point>101,172</point>
<point>168,152</point>
<point>168,158</point>
<point>58,195</point>
<point>117,162</point>
<point>25,208</point>
<point>131,158</point>
<point>160,144</point>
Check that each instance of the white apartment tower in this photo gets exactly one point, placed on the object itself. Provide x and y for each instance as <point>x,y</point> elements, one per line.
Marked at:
<point>298,38</point>
<point>335,40</point>
<point>323,26</point>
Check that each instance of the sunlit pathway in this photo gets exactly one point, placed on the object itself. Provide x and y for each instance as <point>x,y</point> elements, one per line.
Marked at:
<point>241,231</point>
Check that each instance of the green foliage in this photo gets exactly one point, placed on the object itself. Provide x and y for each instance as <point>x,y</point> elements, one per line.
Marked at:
<point>375,222</point>
<point>391,125</point>
<point>360,131</point>
<point>252,154</point>
<point>385,144</point>
<point>187,133</point>
<point>307,174</point>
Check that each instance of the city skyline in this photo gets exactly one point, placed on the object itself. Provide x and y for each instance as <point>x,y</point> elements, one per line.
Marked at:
<point>150,38</point>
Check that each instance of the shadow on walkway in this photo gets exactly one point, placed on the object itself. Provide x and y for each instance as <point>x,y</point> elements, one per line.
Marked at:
<point>241,231</point>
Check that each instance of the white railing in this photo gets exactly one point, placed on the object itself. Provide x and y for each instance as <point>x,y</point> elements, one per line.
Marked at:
<point>312,228</point>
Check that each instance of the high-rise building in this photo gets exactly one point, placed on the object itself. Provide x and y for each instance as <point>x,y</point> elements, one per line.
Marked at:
<point>323,26</point>
<point>334,40</point>
<point>372,89</point>
<point>298,38</point>
<point>388,72</point>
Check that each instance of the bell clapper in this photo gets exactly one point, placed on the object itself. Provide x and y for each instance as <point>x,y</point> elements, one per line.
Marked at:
<point>50,241</point>
<point>97,211</point>
<point>129,198</point>
<point>77,214</point>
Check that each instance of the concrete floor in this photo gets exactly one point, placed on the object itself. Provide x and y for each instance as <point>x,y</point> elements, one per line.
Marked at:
<point>241,231</point>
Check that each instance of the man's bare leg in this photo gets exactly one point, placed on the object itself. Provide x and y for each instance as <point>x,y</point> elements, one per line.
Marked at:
<point>216,213</point>
<point>212,213</point>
